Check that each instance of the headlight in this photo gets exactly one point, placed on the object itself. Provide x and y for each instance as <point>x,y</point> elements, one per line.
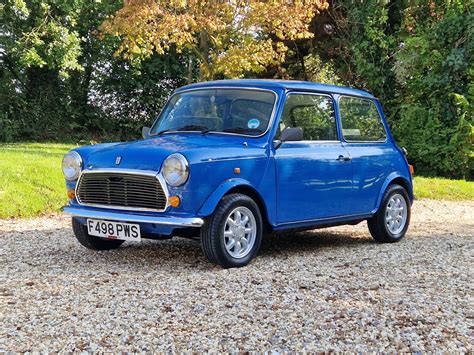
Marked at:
<point>175,170</point>
<point>72,164</point>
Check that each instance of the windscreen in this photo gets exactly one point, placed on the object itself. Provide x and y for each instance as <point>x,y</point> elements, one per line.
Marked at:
<point>240,111</point>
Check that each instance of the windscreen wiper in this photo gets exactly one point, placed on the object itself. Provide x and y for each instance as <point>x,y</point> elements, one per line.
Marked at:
<point>242,130</point>
<point>192,127</point>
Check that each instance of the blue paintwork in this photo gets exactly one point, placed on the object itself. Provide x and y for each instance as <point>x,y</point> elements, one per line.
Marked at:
<point>299,185</point>
<point>312,183</point>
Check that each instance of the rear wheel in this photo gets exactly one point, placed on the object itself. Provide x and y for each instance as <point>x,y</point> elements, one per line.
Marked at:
<point>90,241</point>
<point>232,235</point>
<point>391,221</point>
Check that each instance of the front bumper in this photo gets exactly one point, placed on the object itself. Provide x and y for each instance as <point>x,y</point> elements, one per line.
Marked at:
<point>178,222</point>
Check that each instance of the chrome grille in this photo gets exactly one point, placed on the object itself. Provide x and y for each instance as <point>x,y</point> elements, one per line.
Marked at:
<point>121,190</point>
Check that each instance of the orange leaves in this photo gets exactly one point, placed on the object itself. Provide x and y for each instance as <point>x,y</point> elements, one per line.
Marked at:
<point>226,37</point>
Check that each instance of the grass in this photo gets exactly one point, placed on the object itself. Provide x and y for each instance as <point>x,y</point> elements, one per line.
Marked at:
<point>31,181</point>
<point>443,189</point>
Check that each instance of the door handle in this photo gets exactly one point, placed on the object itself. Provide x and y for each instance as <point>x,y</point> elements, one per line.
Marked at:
<point>344,158</point>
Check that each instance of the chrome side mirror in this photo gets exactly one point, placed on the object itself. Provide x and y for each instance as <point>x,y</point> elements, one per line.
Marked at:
<point>145,132</point>
<point>291,134</point>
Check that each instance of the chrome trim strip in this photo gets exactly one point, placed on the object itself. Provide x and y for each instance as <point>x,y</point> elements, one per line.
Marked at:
<point>117,216</point>
<point>118,170</point>
<point>270,122</point>
<point>158,176</point>
<point>210,160</point>
<point>312,142</point>
<point>328,219</point>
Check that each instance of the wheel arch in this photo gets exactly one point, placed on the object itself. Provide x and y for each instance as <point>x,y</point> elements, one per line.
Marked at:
<point>405,184</point>
<point>395,178</point>
<point>231,187</point>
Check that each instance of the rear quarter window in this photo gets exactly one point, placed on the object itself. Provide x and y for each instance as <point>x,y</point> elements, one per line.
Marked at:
<point>360,120</point>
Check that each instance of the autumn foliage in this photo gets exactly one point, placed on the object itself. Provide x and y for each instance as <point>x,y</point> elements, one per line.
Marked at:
<point>228,38</point>
<point>60,79</point>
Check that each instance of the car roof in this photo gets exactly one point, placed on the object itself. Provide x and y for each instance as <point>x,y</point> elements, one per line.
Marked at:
<point>279,84</point>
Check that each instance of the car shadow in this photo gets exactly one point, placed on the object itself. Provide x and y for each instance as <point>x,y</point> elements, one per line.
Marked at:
<point>170,254</point>
<point>309,241</point>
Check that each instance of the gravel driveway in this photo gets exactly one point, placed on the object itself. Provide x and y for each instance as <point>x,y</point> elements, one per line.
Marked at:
<point>330,289</point>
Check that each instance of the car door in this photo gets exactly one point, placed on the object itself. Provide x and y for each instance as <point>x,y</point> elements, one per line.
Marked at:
<point>373,156</point>
<point>314,176</point>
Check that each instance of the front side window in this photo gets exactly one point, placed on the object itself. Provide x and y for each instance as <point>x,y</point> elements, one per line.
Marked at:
<point>313,113</point>
<point>360,120</point>
<point>241,111</point>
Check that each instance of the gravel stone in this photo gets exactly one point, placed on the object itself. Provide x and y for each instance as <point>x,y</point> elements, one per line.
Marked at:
<point>331,289</point>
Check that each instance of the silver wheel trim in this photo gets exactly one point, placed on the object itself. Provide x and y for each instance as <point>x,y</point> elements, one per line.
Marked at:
<point>240,232</point>
<point>396,214</point>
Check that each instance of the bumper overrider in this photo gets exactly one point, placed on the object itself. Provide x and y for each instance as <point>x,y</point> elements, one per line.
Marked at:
<point>172,221</point>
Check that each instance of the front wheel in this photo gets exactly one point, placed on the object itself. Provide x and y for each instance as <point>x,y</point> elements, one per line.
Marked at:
<point>391,221</point>
<point>232,235</point>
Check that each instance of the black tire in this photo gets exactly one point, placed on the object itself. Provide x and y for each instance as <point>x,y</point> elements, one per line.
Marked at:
<point>377,226</point>
<point>212,232</point>
<point>90,241</point>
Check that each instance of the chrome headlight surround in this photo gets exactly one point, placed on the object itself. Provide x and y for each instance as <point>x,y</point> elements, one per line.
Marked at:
<point>72,165</point>
<point>175,170</point>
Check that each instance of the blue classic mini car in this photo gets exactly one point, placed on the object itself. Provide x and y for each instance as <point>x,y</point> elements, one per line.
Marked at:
<point>231,160</point>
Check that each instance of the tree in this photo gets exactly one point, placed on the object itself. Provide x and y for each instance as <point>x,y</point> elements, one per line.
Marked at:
<point>417,58</point>
<point>226,38</point>
<point>60,80</point>
<point>38,49</point>
<point>434,67</point>
<point>130,96</point>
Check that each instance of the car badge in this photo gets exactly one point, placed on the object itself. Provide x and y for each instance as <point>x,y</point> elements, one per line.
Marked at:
<point>118,160</point>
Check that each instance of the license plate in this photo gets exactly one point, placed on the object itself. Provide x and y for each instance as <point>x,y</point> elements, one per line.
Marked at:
<point>114,230</point>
